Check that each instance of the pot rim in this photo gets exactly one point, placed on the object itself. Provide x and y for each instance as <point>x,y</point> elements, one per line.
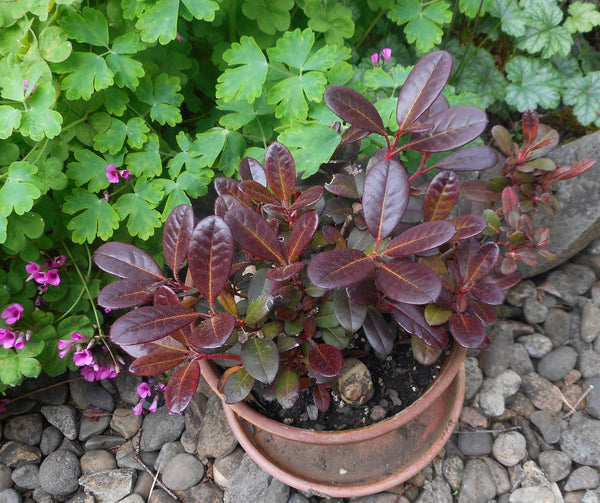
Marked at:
<point>447,373</point>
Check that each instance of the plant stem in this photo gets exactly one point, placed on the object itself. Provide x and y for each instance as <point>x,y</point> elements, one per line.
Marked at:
<point>370,28</point>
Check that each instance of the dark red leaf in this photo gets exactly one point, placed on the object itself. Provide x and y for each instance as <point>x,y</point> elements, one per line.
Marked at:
<point>287,388</point>
<point>343,184</point>
<point>482,261</point>
<point>251,169</point>
<point>280,170</point>
<point>486,313</point>
<point>213,332</point>
<point>337,209</point>
<point>333,236</point>
<point>475,158</point>
<point>236,384</point>
<point>176,236</point>
<point>156,362</point>
<point>125,293</point>
<point>210,256</point>
<point>452,129</point>
<point>150,323</point>
<point>412,319</point>
<point>165,296</point>
<point>353,134</point>
<point>260,358</point>
<point>284,272</point>
<point>228,186</point>
<point>224,203</point>
<point>365,293</point>
<point>440,103</point>
<point>421,238</point>
<point>257,192</point>
<point>321,396</point>
<point>468,331</point>
<point>423,352</point>
<point>339,268</point>
<point>349,314</point>
<point>253,233</point>
<point>127,261</point>
<point>408,282</point>
<point>504,281</point>
<point>326,360</point>
<point>302,234</point>
<point>478,190</point>
<point>354,108</point>
<point>307,198</point>
<point>487,293</point>
<point>422,87</point>
<point>468,226</point>
<point>379,333</point>
<point>530,126</point>
<point>441,195</point>
<point>385,197</point>
<point>182,387</point>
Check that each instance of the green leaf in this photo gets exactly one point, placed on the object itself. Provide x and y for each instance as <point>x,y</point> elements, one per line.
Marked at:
<point>51,174</point>
<point>311,145</point>
<point>112,139</point>
<point>423,24</point>
<point>3,227</point>
<point>53,44</point>
<point>127,71</point>
<point>39,121</point>
<point>473,8</point>
<point>584,94</point>
<point>90,168</point>
<point>10,12</point>
<point>10,118</point>
<point>202,9</point>
<point>583,17</point>
<point>378,78</point>
<point>87,72</point>
<point>481,77</point>
<point>88,26</point>
<point>260,358</point>
<point>159,22</point>
<point>139,207</point>
<point>534,83</point>
<point>291,95</point>
<point>129,43</point>
<point>146,163</point>
<point>29,367</point>
<point>164,98</point>
<point>543,33</point>
<point>513,19</point>
<point>115,101</point>
<point>331,18</point>
<point>232,153</point>
<point>96,217</point>
<point>136,132</point>
<point>270,16</point>
<point>20,189</point>
<point>203,151</point>
<point>11,81</point>
<point>245,82</point>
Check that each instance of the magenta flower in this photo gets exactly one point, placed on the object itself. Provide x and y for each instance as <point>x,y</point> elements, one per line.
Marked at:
<point>112,174</point>
<point>83,358</point>
<point>124,173</point>
<point>12,313</point>
<point>137,410</point>
<point>144,390</point>
<point>386,54</point>
<point>19,341</point>
<point>7,338</point>
<point>154,404</point>
<point>374,59</point>
<point>52,277</point>
<point>2,402</point>
<point>32,268</point>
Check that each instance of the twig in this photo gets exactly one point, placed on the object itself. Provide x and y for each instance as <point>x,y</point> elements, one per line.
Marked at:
<point>579,400</point>
<point>136,456</point>
<point>512,428</point>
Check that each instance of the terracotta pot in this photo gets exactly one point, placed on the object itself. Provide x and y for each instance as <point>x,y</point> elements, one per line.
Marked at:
<point>353,462</point>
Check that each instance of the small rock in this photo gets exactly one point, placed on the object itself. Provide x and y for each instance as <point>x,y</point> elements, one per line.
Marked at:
<point>224,468</point>
<point>555,464</point>
<point>96,461</point>
<point>532,494</point>
<point>437,490</point>
<point>509,448</point>
<point>382,498</point>
<point>497,359</point>
<point>520,361</point>
<point>103,442</point>
<point>477,483</point>
<point>534,311</point>
<point>558,363</point>
<point>14,454</point>
<point>193,415</point>
<point>59,472</point>
<point>453,468</point>
<point>216,439</point>
<point>516,295</point>
<point>125,457</point>
<point>499,475</point>
<point>584,477</point>
<point>160,496</point>
<point>522,405</point>
<point>581,440</point>
<point>473,418</point>
<point>134,498</point>
<point>127,384</point>
<point>26,477</point>
<point>51,439</point>
<point>537,345</point>
<point>592,399</point>
<point>557,326</point>
<point>354,383</point>
<point>581,278</point>
<point>542,393</point>
<point>183,472</point>
<point>27,429</point>
<point>475,443</point>
<point>550,425</point>
<point>377,413</point>
<point>109,485</point>
<point>166,454</point>
<point>64,417</point>
<point>589,363</point>
<point>491,398</point>
<point>90,395</point>
<point>508,383</point>
<point>90,427</point>
<point>204,493</point>
<point>590,322</point>
<point>72,446</point>
<point>250,484</point>
<point>9,496</point>
<point>474,377</point>
<point>5,480</point>
<point>298,498</point>
<point>159,428</point>
<point>125,422</point>
<point>591,497</point>
<point>41,496</point>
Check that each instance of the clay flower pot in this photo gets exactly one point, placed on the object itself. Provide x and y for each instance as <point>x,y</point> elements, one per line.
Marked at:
<point>353,462</point>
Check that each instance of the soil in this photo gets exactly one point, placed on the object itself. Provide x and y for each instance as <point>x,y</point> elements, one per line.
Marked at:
<point>398,381</point>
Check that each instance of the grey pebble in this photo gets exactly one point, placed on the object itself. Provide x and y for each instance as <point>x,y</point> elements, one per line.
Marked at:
<point>96,461</point>
<point>453,468</point>
<point>14,454</point>
<point>166,454</point>
<point>509,448</point>
<point>475,443</point>
<point>90,395</point>
<point>64,417</point>
<point>581,440</point>
<point>224,468</point>
<point>474,377</point>
<point>517,295</point>
<point>584,477</point>
<point>110,485</point>
<point>592,399</point>
<point>10,496</point>
<point>250,484</point>
<point>159,428</point>
<point>549,425</point>
<point>556,465</point>
<point>215,439</point>
<point>5,480</point>
<point>477,483</point>
<point>590,322</point>
<point>558,363</point>
<point>532,494</point>
<point>499,474</point>
<point>51,439</point>
<point>90,427</point>
<point>125,422</point>
<point>204,493</point>
<point>497,359</point>
<point>520,361</point>
<point>183,472</point>
<point>534,311</point>
<point>26,477</point>
<point>537,345</point>
<point>589,363</point>
<point>59,473</point>
<point>557,326</point>
<point>27,429</point>
<point>591,497</point>
<point>103,442</point>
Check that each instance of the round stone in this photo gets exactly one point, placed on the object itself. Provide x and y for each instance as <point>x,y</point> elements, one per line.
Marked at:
<point>354,383</point>
<point>534,311</point>
<point>584,477</point>
<point>537,345</point>
<point>558,363</point>
<point>27,429</point>
<point>183,472</point>
<point>532,494</point>
<point>59,473</point>
<point>555,464</point>
<point>26,476</point>
<point>97,460</point>
<point>509,448</point>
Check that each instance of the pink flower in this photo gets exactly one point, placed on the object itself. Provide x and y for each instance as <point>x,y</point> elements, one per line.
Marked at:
<point>386,54</point>
<point>32,268</point>
<point>12,313</point>
<point>83,358</point>
<point>2,402</point>
<point>137,410</point>
<point>19,342</point>
<point>112,174</point>
<point>144,390</point>
<point>124,173</point>
<point>88,373</point>
<point>59,261</point>
<point>7,338</point>
<point>76,336</point>
<point>52,277</point>
<point>374,59</point>
<point>154,404</point>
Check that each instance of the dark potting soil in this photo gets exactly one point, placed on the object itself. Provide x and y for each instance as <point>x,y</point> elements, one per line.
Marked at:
<point>398,382</point>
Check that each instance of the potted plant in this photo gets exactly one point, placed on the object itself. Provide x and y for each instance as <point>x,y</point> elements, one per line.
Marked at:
<point>285,281</point>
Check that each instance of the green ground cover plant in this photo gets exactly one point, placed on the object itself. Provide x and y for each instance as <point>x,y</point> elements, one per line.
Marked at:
<point>114,113</point>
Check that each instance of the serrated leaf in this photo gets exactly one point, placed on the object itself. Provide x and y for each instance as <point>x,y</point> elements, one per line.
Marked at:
<point>482,78</point>
<point>331,18</point>
<point>20,188</point>
<point>39,120</point>
<point>86,72</point>
<point>138,208</point>
<point>543,33</point>
<point>136,130</point>
<point>260,358</point>
<point>583,17</point>
<point>473,8</point>
<point>534,83</point>
<point>163,96</point>
<point>147,162</point>
<point>513,19</point>
<point>159,22</point>
<point>90,169</point>
<point>112,139</point>
<point>88,26</point>
<point>270,17</point>
<point>96,217</point>
<point>423,24</point>
<point>182,387</point>
<point>115,101</point>
<point>10,118</point>
<point>584,94</point>
<point>202,9</point>
<point>127,71</point>
<point>244,82</point>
